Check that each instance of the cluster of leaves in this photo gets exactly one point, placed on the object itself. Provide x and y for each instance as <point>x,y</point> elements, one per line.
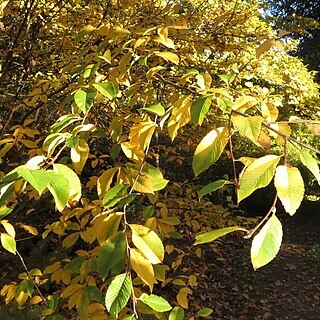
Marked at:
<point>95,92</point>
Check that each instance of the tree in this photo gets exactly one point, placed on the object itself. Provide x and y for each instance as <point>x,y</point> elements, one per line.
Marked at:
<point>89,88</point>
<point>288,12</point>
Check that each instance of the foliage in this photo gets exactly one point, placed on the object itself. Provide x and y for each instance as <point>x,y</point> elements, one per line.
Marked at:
<point>89,88</point>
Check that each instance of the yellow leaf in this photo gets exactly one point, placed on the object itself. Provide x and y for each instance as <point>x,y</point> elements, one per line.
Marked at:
<point>21,299</point>
<point>29,144</point>
<point>249,127</point>
<point>79,155</point>
<point>180,115</point>
<point>35,300</point>
<point>133,152</point>
<point>290,187</point>
<point>9,228</point>
<point>243,103</point>
<point>281,127</point>
<point>151,72</point>
<point>169,56</point>
<point>106,227</point>
<point>269,111</point>
<point>148,242</point>
<point>70,240</point>
<point>71,290</point>
<point>104,181</point>
<point>51,268</point>
<point>141,133</point>
<point>142,267</point>
<point>182,297</point>
<point>264,47</point>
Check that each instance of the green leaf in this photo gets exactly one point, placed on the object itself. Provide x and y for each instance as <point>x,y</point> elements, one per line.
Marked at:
<point>118,294</point>
<point>84,99</point>
<point>148,242</point>
<point>107,89</point>
<point>4,211</point>
<point>93,293</point>
<point>200,108</point>
<point>213,235</point>
<point>212,187</point>
<point>249,127</point>
<point>114,195</point>
<point>148,212</point>
<point>257,174</point>
<point>156,177</point>
<point>53,302</point>
<point>156,109</point>
<point>59,187</point>
<point>266,243</point>
<point>227,78</point>
<point>290,187</point>
<point>73,179</point>
<point>224,104</point>
<point>8,243</point>
<point>209,149</point>
<point>90,70</point>
<point>52,141</point>
<point>157,303</point>
<point>64,121</point>
<point>205,312</point>
<point>311,163</point>
<point>37,178</point>
<point>111,253</point>
<point>177,313</point>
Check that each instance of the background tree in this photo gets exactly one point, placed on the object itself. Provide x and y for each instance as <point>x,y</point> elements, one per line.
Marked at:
<point>288,13</point>
<point>96,97</point>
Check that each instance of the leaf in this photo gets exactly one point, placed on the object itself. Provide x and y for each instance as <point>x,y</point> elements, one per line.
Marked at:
<point>73,179</point>
<point>213,235</point>
<point>200,108</point>
<point>118,294</point>
<point>180,115</point>
<point>84,99</point>
<point>242,104</point>
<point>104,181</point>
<point>156,109</point>
<point>249,127</point>
<point>290,187</point>
<point>227,78</point>
<point>107,89</point>
<point>111,254</point>
<point>148,212</point>
<point>37,178</point>
<point>311,163</point>
<point>8,243</point>
<point>59,187</point>
<point>176,313</point>
<point>169,56</point>
<point>205,312</point>
<point>266,243</point>
<point>212,187</point>
<point>209,149</point>
<point>52,141</point>
<point>264,47</point>
<point>114,195</point>
<point>148,242</point>
<point>157,303</point>
<point>257,174</point>
<point>156,177</point>
<point>142,267</point>
<point>63,122</point>
<point>79,155</point>
<point>70,240</point>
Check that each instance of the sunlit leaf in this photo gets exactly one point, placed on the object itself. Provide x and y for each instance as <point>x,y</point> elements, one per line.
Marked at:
<point>266,243</point>
<point>156,109</point>
<point>200,108</point>
<point>84,99</point>
<point>311,163</point>
<point>176,313</point>
<point>107,89</point>
<point>209,149</point>
<point>290,187</point>
<point>257,174</point>
<point>118,294</point>
<point>8,243</point>
<point>142,267</point>
<point>213,235</point>
<point>249,127</point>
<point>148,242</point>
<point>157,303</point>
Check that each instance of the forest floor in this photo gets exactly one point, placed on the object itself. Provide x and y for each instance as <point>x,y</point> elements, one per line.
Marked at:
<point>287,288</point>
